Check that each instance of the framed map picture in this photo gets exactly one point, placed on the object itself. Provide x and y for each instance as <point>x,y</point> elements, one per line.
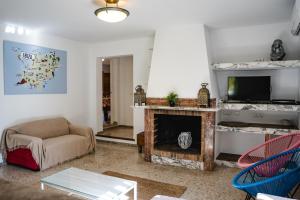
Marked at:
<point>30,69</point>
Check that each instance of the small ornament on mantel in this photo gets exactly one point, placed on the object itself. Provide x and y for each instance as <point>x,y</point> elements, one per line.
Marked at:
<point>203,96</point>
<point>277,51</point>
<point>172,98</point>
<point>139,96</point>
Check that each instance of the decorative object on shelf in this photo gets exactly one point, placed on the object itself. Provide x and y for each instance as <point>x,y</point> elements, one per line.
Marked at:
<point>203,96</point>
<point>112,14</point>
<point>172,98</point>
<point>139,96</point>
<point>30,69</point>
<point>185,140</point>
<point>277,50</point>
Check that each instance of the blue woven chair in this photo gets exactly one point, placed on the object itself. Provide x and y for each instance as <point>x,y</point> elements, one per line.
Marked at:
<point>283,183</point>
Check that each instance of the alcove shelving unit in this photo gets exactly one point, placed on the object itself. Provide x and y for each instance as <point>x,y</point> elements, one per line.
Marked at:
<point>269,130</point>
<point>257,128</point>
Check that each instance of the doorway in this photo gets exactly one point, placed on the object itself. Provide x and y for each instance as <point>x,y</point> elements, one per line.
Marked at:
<point>117,97</point>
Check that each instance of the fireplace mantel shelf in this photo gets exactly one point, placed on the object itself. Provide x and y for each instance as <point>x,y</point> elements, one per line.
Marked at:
<point>152,107</point>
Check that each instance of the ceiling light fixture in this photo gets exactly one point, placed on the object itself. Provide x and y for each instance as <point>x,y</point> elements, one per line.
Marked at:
<point>112,14</point>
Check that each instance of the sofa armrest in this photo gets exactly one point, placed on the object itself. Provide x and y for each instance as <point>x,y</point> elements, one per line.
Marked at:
<point>17,140</point>
<point>86,132</point>
<point>79,130</point>
<point>13,141</point>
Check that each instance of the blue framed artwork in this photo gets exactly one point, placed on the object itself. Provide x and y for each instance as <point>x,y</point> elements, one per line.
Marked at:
<point>30,69</point>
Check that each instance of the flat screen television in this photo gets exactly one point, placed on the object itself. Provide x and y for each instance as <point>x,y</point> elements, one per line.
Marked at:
<point>249,88</point>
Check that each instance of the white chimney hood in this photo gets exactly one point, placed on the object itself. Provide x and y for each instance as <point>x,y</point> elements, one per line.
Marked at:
<point>180,62</point>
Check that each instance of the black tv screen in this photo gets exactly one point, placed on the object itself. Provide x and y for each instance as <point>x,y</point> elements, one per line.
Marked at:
<point>249,88</point>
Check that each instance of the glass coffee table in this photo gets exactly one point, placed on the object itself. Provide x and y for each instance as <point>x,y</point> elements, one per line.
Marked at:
<point>90,185</point>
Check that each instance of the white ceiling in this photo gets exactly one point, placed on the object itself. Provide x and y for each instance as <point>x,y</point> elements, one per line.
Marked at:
<point>75,19</point>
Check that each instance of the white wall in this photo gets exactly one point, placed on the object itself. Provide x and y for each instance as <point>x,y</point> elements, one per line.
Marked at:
<point>179,62</point>
<point>213,77</point>
<point>140,49</point>
<point>253,42</point>
<point>122,90</point>
<point>297,7</point>
<point>126,92</point>
<point>19,108</point>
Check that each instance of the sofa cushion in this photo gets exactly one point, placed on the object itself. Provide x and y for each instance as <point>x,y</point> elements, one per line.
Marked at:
<point>63,148</point>
<point>46,128</point>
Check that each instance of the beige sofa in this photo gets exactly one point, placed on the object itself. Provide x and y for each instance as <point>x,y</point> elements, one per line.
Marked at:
<point>41,144</point>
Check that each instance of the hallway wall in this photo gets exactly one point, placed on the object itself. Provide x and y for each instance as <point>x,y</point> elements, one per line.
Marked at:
<point>121,69</point>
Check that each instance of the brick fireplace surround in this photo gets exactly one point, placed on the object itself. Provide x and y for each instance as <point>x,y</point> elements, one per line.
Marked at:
<point>204,159</point>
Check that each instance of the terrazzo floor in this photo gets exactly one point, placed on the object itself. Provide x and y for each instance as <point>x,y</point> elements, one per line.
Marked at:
<point>124,159</point>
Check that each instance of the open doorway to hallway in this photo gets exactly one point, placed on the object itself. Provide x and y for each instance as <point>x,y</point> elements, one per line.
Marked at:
<point>117,97</point>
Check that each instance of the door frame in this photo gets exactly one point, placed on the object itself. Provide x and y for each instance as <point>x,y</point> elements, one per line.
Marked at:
<point>99,97</point>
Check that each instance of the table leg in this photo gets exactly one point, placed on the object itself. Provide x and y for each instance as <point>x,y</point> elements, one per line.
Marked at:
<point>42,186</point>
<point>135,192</point>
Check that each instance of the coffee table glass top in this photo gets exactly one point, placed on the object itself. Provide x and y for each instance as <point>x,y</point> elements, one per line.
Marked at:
<point>89,184</point>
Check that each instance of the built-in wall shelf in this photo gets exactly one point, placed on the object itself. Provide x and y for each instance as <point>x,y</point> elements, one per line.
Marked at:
<point>259,107</point>
<point>255,128</point>
<point>263,65</point>
<point>227,159</point>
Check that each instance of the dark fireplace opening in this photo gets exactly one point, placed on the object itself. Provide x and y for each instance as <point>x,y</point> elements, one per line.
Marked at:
<point>169,127</point>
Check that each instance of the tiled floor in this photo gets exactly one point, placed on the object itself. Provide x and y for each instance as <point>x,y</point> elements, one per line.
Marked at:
<point>125,159</point>
<point>118,132</point>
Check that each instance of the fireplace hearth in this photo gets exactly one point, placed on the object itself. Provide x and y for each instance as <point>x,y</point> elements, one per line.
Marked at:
<point>169,127</point>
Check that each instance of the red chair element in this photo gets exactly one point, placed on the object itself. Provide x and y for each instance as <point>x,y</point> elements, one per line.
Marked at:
<point>270,148</point>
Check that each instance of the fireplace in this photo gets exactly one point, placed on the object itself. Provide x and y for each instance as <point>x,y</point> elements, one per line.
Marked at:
<point>168,128</point>
<point>163,126</point>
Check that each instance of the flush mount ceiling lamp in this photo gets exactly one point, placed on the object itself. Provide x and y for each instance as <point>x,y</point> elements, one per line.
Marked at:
<point>112,14</point>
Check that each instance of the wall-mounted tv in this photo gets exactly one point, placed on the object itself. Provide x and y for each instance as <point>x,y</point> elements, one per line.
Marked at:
<point>249,88</point>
